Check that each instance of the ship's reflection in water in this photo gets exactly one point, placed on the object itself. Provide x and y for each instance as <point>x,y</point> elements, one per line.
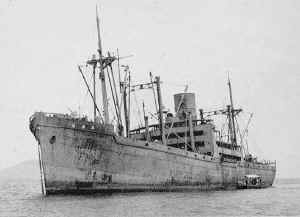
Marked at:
<point>23,198</point>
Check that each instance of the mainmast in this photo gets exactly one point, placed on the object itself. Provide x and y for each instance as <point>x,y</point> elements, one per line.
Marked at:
<point>160,112</point>
<point>124,88</point>
<point>232,115</point>
<point>102,76</point>
<point>94,89</point>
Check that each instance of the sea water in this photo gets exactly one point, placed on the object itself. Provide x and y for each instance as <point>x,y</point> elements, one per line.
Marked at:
<point>24,198</point>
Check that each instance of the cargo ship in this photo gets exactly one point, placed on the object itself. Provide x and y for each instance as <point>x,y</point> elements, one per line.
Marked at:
<point>183,150</point>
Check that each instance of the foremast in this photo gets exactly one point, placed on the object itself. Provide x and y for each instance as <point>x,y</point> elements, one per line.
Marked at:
<point>103,63</point>
<point>102,75</point>
<point>231,117</point>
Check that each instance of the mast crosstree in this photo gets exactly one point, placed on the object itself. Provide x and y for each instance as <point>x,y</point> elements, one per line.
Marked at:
<point>104,62</point>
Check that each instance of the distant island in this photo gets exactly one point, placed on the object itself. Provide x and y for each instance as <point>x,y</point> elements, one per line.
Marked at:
<point>28,170</point>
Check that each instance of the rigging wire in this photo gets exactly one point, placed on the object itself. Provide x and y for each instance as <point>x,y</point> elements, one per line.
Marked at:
<point>222,130</point>
<point>239,132</point>
<point>81,72</point>
<point>82,102</point>
<point>113,96</point>
<point>174,84</point>
<point>138,110</point>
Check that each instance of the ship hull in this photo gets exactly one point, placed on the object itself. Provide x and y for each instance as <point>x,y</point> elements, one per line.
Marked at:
<point>77,158</point>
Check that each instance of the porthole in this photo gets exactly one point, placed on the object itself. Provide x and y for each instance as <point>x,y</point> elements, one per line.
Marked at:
<point>52,140</point>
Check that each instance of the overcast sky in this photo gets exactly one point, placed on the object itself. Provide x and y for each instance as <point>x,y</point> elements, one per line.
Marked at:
<point>185,42</point>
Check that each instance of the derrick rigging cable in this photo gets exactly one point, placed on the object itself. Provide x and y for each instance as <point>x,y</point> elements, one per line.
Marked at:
<point>138,111</point>
<point>239,132</point>
<point>87,85</point>
<point>86,93</point>
<point>114,97</point>
<point>82,97</point>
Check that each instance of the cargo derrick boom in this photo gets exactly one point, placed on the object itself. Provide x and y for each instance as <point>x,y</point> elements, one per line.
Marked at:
<point>185,131</point>
<point>182,131</point>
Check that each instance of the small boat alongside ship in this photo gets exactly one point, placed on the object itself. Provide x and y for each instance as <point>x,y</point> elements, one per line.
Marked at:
<point>183,150</point>
<point>250,181</point>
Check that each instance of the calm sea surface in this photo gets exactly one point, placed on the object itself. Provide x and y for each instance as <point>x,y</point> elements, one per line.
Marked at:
<point>23,198</point>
